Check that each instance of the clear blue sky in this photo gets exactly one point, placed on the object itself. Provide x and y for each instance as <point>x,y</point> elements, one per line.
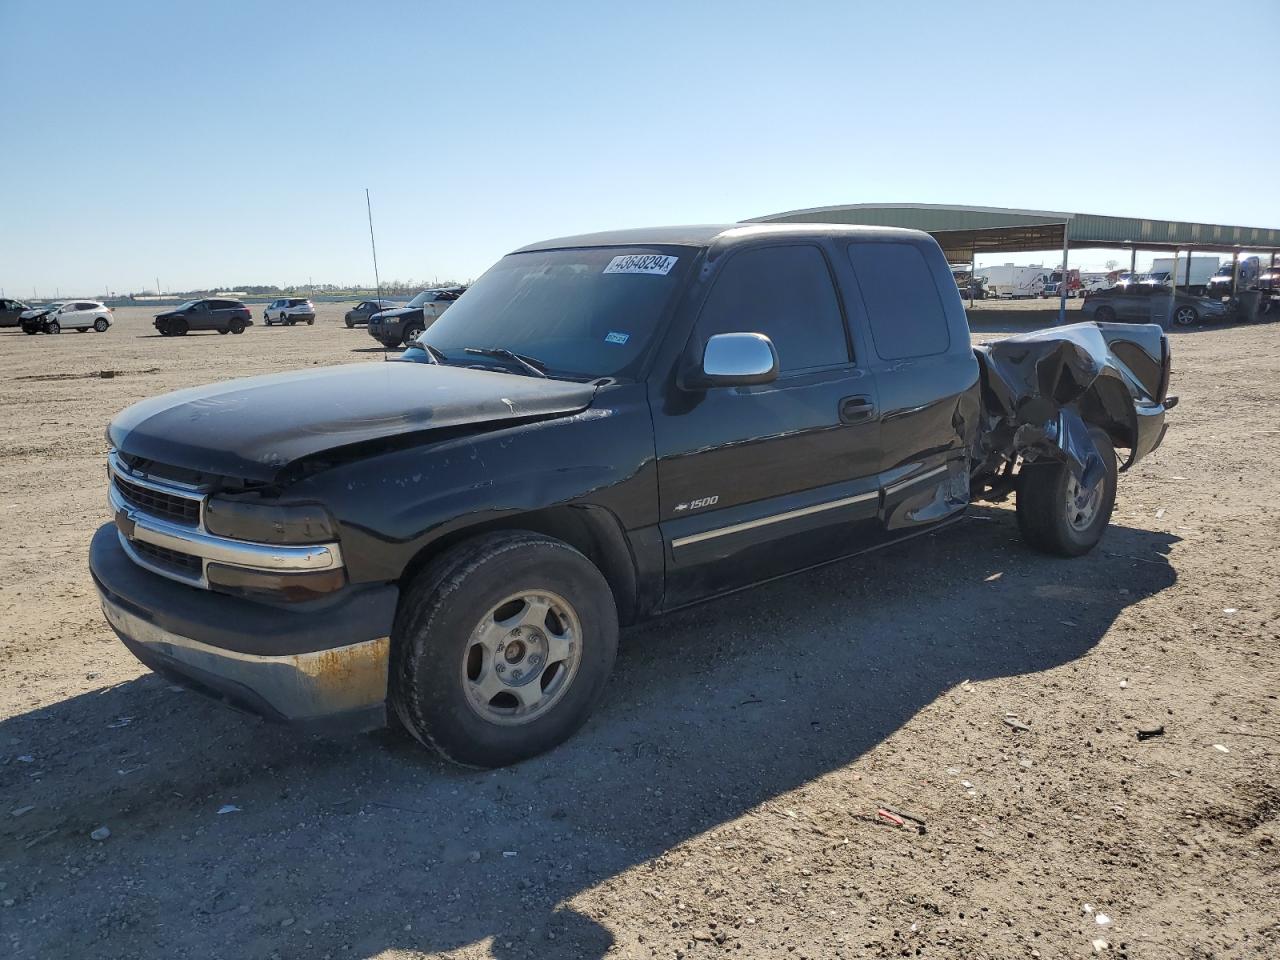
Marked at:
<point>231,142</point>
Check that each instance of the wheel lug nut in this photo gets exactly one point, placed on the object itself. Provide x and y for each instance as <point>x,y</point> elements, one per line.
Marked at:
<point>500,668</point>
<point>516,674</point>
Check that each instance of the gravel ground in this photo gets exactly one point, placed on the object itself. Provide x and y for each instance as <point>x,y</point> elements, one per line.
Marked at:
<point>724,798</point>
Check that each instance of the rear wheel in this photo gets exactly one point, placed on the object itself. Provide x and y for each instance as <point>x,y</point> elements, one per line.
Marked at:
<point>1104,315</point>
<point>224,331</point>
<point>1186,316</point>
<point>82,329</point>
<point>235,326</point>
<point>501,648</point>
<point>311,321</point>
<point>100,325</point>
<point>1055,514</point>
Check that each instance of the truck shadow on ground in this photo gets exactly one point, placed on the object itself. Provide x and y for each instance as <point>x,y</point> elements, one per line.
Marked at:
<point>353,847</point>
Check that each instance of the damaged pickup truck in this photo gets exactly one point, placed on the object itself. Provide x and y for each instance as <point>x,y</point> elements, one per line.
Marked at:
<point>603,428</point>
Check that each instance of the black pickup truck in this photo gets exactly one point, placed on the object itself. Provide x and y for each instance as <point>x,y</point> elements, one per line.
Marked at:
<point>603,428</point>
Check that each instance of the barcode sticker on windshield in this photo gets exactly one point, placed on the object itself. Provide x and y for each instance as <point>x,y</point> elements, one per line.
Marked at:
<point>642,263</point>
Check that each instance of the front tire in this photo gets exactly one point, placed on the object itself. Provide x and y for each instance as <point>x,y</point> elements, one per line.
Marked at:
<point>1104,315</point>
<point>178,328</point>
<point>1186,316</point>
<point>52,327</point>
<point>411,334</point>
<point>501,648</point>
<point>1050,516</point>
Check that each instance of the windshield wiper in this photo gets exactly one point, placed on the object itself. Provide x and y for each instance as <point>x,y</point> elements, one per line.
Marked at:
<point>534,366</point>
<point>436,354</point>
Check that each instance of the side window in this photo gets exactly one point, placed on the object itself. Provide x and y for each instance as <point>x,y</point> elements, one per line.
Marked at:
<point>785,293</point>
<point>904,308</point>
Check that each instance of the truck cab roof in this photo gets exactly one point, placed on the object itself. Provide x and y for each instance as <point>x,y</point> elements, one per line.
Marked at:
<point>718,235</point>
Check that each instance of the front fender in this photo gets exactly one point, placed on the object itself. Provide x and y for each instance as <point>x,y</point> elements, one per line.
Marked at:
<point>392,506</point>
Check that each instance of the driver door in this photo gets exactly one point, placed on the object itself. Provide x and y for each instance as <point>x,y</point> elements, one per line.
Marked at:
<point>758,481</point>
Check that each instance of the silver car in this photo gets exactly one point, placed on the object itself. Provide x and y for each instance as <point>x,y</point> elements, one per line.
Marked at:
<point>1142,302</point>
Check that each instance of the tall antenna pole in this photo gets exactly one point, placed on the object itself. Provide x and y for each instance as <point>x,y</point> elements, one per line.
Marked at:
<point>373,244</point>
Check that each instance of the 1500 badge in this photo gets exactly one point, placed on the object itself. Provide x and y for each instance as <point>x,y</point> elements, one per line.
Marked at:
<point>697,504</point>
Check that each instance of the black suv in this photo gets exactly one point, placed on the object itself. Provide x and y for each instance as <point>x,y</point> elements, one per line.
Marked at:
<point>225,316</point>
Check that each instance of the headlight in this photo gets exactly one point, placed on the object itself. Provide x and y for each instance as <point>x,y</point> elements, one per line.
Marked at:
<point>260,522</point>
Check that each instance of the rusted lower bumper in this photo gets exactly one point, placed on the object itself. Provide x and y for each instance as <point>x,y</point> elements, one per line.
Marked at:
<point>321,667</point>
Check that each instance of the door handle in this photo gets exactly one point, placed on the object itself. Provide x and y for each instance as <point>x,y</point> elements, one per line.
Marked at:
<point>856,409</point>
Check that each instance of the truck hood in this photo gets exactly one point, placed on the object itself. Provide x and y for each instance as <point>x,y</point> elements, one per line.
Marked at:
<point>396,313</point>
<point>254,428</point>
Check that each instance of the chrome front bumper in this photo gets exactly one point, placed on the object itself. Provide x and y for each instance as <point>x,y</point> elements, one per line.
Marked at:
<point>297,688</point>
<point>322,664</point>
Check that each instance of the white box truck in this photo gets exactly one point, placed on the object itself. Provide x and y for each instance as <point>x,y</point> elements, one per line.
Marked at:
<point>1013,281</point>
<point>1202,268</point>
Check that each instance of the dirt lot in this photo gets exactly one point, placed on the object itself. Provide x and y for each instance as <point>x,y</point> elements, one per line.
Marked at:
<point>725,796</point>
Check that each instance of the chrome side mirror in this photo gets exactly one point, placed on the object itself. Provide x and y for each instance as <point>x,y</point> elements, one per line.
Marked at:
<point>735,360</point>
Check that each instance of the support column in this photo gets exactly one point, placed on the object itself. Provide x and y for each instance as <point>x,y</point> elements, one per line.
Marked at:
<point>1062,285</point>
<point>1186,274</point>
<point>973,274</point>
<point>1235,271</point>
<point>1173,285</point>
<point>1133,262</point>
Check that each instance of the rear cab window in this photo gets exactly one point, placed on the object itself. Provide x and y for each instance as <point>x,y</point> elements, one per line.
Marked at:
<point>905,310</point>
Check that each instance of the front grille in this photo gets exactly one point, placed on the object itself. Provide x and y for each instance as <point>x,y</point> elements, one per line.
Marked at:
<point>182,563</point>
<point>168,506</point>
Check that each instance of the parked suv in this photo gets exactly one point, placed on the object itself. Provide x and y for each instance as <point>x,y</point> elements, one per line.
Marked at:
<point>78,315</point>
<point>362,311</point>
<point>289,311</point>
<point>604,428</point>
<point>405,324</point>
<point>225,316</point>
<point>11,312</point>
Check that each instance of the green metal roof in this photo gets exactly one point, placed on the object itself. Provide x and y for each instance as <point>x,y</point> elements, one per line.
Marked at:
<point>963,231</point>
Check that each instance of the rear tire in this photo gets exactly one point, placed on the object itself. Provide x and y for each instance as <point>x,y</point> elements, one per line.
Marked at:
<point>224,331</point>
<point>100,325</point>
<point>1104,315</point>
<point>236,326</point>
<point>1047,515</point>
<point>464,630</point>
<point>82,329</point>
<point>311,321</point>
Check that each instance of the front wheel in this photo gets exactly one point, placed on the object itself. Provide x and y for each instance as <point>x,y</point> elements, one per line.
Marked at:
<point>1055,514</point>
<point>351,324</point>
<point>411,334</point>
<point>178,327</point>
<point>1104,315</point>
<point>52,327</point>
<point>501,648</point>
<point>311,321</point>
<point>1186,316</point>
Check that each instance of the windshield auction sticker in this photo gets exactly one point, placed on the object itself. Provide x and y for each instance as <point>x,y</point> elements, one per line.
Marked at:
<point>642,263</point>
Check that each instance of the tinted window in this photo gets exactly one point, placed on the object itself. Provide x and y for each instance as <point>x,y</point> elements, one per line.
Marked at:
<point>904,308</point>
<point>785,293</point>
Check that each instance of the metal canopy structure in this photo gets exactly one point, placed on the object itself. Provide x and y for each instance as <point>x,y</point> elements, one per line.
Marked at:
<point>965,232</point>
